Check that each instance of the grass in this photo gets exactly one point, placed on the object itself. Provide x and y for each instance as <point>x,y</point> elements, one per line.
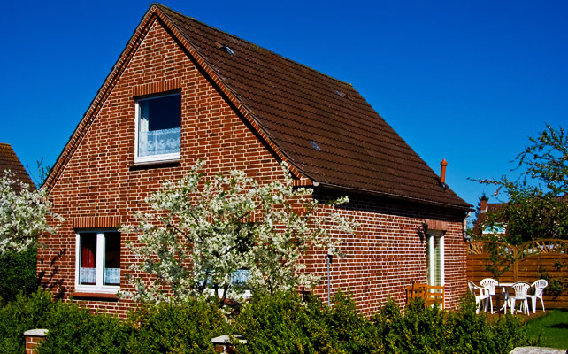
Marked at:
<point>550,330</point>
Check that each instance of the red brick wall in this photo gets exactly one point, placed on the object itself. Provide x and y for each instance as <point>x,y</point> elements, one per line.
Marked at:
<point>99,180</point>
<point>387,253</point>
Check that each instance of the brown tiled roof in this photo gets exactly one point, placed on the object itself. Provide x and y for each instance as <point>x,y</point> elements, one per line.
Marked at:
<point>322,125</point>
<point>326,131</point>
<point>9,161</point>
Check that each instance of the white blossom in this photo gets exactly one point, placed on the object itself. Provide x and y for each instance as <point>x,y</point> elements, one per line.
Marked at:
<point>203,230</point>
<point>23,214</point>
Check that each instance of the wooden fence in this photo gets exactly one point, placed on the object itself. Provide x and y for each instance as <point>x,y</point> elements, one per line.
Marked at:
<point>543,259</point>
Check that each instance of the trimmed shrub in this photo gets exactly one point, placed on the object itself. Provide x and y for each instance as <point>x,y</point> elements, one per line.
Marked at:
<point>183,328</point>
<point>427,329</point>
<point>474,333</point>
<point>76,330</point>
<point>351,332</point>
<point>283,323</point>
<point>71,329</point>
<point>18,274</point>
<point>279,324</point>
<point>419,329</point>
<point>18,316</point>
<point>179,328</point>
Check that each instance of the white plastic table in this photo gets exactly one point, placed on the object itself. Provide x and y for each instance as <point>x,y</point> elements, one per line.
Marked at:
<point>505,286</point>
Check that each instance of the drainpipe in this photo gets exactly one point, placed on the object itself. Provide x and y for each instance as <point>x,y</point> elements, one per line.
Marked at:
<point>329,260</point>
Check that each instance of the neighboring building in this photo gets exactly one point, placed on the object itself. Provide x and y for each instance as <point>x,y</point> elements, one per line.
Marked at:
<point>182,91</point>
<point>9,161</point>
<point>484,209</point>
<point>499,229</point>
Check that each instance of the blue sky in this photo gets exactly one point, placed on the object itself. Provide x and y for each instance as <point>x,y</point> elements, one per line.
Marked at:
<point>468,81</point>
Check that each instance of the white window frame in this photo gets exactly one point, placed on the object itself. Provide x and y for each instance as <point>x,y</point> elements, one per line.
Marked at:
<point>99,287</point>
<point>431,258</point>
<point>153,158</point>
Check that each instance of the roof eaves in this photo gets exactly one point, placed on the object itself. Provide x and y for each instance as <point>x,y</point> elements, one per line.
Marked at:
<point>462,207</point>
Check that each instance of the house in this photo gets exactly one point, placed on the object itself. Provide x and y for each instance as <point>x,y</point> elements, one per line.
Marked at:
<point>182,91</point>
<point>544,218</point>
<point>10,161</point>
<point>485,209</point>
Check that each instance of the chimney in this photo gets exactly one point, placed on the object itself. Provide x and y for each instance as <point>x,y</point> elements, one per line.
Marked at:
<point>483,204</point>
<point>444,163</point>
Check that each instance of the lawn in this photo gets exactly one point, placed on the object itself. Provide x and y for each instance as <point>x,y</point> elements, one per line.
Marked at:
<point>551,329</point>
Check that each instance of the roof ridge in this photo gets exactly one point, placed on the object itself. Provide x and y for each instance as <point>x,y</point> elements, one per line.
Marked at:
<point>308,96</point>
<point>164,7</point>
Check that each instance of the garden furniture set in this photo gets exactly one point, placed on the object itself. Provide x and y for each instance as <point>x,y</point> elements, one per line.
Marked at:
<point>489,289</point>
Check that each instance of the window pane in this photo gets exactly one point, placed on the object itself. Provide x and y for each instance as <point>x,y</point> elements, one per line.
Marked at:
<point>112,258</point>
<point>88,270</point>
<point>159,125</point>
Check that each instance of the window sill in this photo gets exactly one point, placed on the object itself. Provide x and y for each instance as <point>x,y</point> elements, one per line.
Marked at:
<point>80,295</point>
<point>137,166</point>
<point>156,159</point>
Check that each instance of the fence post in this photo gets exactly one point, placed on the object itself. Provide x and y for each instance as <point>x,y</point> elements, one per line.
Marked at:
<point>222,344</point>
<point>33,338</point>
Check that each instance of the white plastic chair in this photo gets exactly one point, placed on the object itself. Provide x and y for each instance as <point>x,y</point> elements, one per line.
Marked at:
<point>521,296</point>
<point>538,286</point>
<point>489,284</point>
<point>480,294</point>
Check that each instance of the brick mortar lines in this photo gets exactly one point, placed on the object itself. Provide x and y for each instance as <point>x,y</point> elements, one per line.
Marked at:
<point>97,182</point>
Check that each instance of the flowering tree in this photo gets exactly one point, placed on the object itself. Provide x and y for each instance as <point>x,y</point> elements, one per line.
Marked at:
<point>23,214</point>
<point>201,233</point>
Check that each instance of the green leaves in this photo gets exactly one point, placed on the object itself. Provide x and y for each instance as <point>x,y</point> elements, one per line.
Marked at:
<point>201,230</point>
<point>537,207</point>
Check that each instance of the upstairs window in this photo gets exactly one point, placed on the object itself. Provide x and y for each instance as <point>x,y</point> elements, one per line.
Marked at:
<point>158,121</point>
<point>97,261</point>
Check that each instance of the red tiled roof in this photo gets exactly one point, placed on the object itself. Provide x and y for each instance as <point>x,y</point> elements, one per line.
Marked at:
<point>9,161</point>
<point>323,126</point>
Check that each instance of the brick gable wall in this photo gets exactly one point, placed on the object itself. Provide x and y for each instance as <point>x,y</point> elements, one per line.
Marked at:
<point>100,188</point>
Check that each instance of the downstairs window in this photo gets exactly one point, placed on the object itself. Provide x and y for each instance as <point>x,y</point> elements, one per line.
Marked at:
<point>97,261</point>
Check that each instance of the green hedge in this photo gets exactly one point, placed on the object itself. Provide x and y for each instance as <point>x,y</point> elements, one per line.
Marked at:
<point>71,329</point>
<point>283,323</point>
<point>180,328</point>
<point>427,329</point>
<point>17,274</point>
<point>185,328</point>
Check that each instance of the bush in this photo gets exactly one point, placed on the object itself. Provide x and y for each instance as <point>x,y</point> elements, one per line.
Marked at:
<point>419,329</point>
<point>75,330</point>
<point>284,323</point>
<point>427,329</point>
<point>19,316</point>
<point>184,328</point>
<point>71,329</point>
<point>471,332</point>
<point>278,324</point>
<point>18,274</point>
